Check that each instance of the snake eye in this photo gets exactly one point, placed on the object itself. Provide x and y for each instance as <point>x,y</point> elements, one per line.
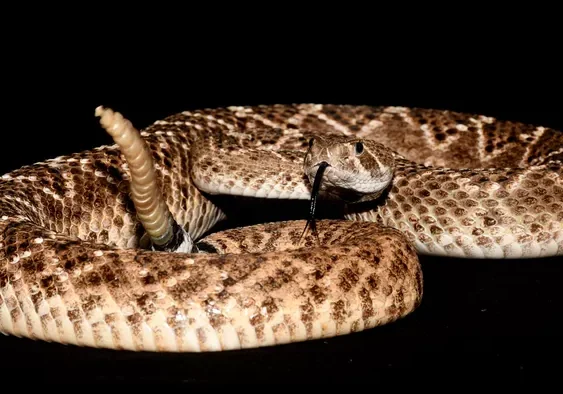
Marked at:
<point>359,148</point>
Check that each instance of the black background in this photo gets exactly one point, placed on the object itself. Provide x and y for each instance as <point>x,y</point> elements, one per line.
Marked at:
<point>476,316</point>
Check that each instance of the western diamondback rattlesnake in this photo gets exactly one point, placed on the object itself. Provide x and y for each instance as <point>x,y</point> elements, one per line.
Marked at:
<point>75,267</point>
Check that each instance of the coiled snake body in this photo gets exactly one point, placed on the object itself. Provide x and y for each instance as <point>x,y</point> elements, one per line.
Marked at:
<point>94,247</point>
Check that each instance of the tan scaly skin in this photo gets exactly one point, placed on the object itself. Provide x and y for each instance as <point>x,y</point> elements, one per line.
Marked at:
<point>73,270</point>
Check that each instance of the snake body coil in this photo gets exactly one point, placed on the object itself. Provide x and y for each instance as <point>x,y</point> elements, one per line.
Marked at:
<point>74,268</point>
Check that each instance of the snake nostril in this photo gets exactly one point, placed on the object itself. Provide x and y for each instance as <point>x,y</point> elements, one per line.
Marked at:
<point>311,142</point>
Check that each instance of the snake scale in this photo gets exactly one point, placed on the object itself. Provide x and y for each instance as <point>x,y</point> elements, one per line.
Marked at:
<point>96,247</point>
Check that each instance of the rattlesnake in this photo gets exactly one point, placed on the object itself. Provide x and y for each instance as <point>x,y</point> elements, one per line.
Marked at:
<point>76,265</point>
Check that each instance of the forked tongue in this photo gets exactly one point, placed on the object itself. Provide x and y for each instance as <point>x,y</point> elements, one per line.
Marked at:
<point>314,194</point>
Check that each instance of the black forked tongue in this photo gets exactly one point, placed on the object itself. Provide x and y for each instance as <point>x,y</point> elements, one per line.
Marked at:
<point>314,195</point>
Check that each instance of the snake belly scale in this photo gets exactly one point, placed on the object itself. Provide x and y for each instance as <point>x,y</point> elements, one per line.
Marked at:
<point>75,267</point>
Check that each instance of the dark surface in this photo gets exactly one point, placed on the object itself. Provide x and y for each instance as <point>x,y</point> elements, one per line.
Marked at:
<point>476,316</point>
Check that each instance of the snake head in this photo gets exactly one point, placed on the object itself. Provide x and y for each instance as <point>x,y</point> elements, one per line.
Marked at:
<point>358,169</point>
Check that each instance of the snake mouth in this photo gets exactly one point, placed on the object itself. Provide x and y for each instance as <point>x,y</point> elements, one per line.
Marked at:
<point>335,185</point>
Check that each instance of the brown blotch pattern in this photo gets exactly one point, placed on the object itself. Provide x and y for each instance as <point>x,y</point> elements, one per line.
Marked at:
<point>69,233</point>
